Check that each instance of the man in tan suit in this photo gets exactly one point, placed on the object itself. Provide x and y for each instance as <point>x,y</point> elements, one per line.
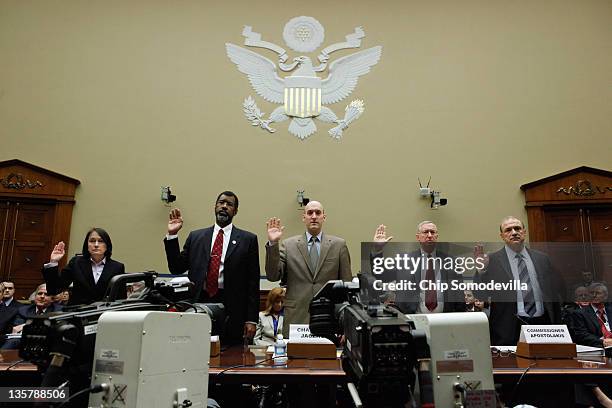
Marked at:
<point>305,262</point>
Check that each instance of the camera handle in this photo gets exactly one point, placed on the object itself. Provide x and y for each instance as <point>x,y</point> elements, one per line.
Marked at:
<point>116,287</point>
<point>354,395</point>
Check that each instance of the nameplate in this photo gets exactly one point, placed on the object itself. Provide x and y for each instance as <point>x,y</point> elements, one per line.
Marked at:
<point>545,334</point>
<point>300,333</point>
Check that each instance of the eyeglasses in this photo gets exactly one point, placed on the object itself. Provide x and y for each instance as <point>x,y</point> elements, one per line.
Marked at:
<point>495,352</point>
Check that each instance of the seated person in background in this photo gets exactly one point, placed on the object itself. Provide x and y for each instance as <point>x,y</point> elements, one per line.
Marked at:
<point>581,299</point>
<point>270,320</point>
<point>587,278</point>
<point>7,314</point>
<point>474,305</point>
<point>89,273</point>
<point>8,293</point>
<point>591,323</point>
<point>42,304</point>
<point>589,326</point>
<point>62,298</point>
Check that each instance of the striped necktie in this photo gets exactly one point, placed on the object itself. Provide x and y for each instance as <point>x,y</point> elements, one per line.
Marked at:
<point>528,297</point>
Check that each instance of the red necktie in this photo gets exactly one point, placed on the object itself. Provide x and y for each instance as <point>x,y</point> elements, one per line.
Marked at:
<point>431,297</point>
<point>212,279</point>
<point>602,322</point>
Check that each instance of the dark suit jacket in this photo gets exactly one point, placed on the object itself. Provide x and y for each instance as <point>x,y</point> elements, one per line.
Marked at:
<point>7,317</point>
<point>587,330</point>
<point>504,324</point>
<point>28,311</point>
<point>78,273</point>
<point>408,301</point>
<point>14,304</point>
<point>240,273</point>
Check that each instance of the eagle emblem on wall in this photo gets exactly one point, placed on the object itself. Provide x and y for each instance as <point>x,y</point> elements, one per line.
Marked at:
<point>303,92</point>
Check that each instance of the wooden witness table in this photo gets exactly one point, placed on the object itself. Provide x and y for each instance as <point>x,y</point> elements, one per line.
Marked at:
<point>579,370</point>
<point>505,369</point>
<point>296,371</point>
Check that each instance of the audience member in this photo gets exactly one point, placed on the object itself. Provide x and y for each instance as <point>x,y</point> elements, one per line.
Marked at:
<point>581,298</point>
<point>62,298</point>
<point>587,277</point>
<point>270,320</point>
<point>8,295</point>
<point>472,304</point>
<point>591,327</point>
<point>42,305</point>
<point>591,323</point>
<point>7,313</point>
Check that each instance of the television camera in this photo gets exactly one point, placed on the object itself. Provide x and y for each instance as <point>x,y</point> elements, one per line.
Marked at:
<point>385,352</point>
<point>67,347</point>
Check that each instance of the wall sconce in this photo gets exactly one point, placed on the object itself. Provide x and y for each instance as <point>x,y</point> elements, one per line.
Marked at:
<point>302,201</point>
<point>166,195</point>
<point>436,200</point>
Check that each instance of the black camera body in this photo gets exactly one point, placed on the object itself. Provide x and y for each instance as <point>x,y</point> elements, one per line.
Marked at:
<point>381,346</point>
<point>379,353</point>
<point>62,346</point>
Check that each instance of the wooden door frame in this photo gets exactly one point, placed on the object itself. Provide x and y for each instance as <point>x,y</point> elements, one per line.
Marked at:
<point>584,187</point>
<point>25,182</point>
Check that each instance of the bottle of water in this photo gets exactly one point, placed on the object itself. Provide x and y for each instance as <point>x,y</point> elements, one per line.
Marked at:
<point>280,351</point>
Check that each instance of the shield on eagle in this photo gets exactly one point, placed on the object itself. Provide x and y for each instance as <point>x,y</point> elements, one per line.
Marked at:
<point>302,96</point>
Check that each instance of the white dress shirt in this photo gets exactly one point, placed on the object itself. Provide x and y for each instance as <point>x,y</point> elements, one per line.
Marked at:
<point>97,268</point>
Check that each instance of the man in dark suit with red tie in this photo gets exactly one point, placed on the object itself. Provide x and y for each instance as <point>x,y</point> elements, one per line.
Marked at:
<point>223,264</point>
<point>592,323</point>
<point>430,270</point>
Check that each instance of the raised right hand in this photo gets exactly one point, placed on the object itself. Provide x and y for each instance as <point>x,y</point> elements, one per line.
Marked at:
<point>275,229</point>
<point>480,253</point>
<point>58,252</point>
<point>380,237</point>
<point>175,222</point>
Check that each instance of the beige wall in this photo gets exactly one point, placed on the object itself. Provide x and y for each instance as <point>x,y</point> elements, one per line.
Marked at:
<point>128,96</point>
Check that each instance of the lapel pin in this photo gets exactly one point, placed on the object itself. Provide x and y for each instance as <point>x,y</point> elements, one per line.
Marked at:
<point>234,242</point>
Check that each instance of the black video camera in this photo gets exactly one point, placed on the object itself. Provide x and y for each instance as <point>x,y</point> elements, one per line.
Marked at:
<point>63,345</point>
<point>381,346</point>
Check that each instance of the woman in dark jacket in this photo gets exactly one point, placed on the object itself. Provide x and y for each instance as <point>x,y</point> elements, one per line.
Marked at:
<point>89,272</point>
